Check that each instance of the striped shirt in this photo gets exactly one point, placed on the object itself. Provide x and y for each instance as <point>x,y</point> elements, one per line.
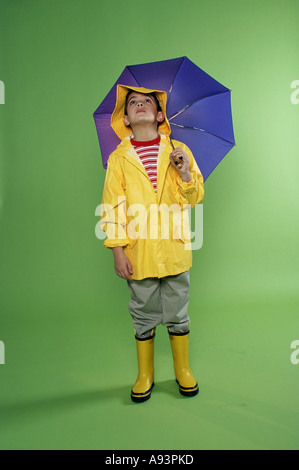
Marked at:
<point>148,154</point>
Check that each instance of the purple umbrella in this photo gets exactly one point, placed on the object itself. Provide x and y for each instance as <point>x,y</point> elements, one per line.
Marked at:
<point>198,109</point>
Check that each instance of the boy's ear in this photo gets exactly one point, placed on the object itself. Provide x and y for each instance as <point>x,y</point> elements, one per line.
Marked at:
<point>126,120</point>
<point>160,116</point>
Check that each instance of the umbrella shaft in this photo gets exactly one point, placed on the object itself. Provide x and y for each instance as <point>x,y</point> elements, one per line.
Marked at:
<point>170,137</point>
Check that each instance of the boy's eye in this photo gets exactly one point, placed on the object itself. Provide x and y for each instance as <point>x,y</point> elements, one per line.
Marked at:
<point>132,102</point>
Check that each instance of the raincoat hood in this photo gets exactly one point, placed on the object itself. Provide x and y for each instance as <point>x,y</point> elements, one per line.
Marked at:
<point>117,123</point>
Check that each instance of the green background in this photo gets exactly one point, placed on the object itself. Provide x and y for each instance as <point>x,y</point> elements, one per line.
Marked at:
<point>70,348</point>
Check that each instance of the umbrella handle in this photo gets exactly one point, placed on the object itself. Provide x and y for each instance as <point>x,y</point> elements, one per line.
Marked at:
<point>177,162</point>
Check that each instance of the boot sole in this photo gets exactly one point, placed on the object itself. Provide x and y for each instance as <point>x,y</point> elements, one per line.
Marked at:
<point>142,397</point>
<point>188,391</point>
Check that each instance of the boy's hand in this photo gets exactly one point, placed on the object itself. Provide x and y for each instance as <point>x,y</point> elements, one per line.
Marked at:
<point>122,265</point>
<point>180,160</point>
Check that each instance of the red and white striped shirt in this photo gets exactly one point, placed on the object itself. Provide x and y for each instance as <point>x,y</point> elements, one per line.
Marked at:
<point>148,154</point>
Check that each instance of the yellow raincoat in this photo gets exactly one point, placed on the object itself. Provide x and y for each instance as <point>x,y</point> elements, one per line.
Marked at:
<point>151,226</point>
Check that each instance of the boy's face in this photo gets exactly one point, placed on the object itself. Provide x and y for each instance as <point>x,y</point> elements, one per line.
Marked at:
<point>142,110</point>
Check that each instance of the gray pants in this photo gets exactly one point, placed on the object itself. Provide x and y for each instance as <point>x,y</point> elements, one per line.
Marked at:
<point>157,301</point>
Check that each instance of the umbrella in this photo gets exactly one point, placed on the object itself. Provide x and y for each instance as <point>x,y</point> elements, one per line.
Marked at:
<point>198,109</point>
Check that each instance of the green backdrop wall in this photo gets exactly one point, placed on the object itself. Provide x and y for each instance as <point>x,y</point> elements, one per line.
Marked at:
<point>69,346</point>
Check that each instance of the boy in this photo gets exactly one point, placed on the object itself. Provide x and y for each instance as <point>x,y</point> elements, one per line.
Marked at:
<point>142,174</point>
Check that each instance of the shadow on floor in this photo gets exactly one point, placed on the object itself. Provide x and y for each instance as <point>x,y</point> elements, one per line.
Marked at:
<point>62,403</point>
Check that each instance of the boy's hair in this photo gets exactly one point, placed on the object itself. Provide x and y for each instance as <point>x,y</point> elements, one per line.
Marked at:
<point>148,94</point>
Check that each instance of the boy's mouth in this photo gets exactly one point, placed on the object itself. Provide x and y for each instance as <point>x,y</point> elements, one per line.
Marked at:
<point>140,111</point>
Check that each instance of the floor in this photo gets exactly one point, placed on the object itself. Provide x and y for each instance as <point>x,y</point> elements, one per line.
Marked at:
<point>69,387</point>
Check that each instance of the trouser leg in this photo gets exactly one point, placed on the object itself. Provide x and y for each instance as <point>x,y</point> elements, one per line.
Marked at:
<point>145,306</point>
<point>175,302</point>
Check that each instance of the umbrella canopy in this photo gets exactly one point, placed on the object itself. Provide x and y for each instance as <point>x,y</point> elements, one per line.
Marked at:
<point>198,109</point>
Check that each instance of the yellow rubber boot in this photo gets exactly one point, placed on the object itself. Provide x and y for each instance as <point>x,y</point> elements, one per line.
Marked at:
<point>180,351</point>
<point>145,381</point>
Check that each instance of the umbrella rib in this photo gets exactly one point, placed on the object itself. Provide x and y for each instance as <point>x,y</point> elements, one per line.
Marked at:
<point>201,130</point>
<point>128,67</point>
<point>197,101</point>
<point>171,86</point>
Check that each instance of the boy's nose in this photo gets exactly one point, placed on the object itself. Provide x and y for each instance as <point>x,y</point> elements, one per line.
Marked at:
<point>140,103</point>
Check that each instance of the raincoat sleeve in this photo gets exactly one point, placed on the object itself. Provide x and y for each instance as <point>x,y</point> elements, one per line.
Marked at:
<point>113,208</point>
<point>192,192</point>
